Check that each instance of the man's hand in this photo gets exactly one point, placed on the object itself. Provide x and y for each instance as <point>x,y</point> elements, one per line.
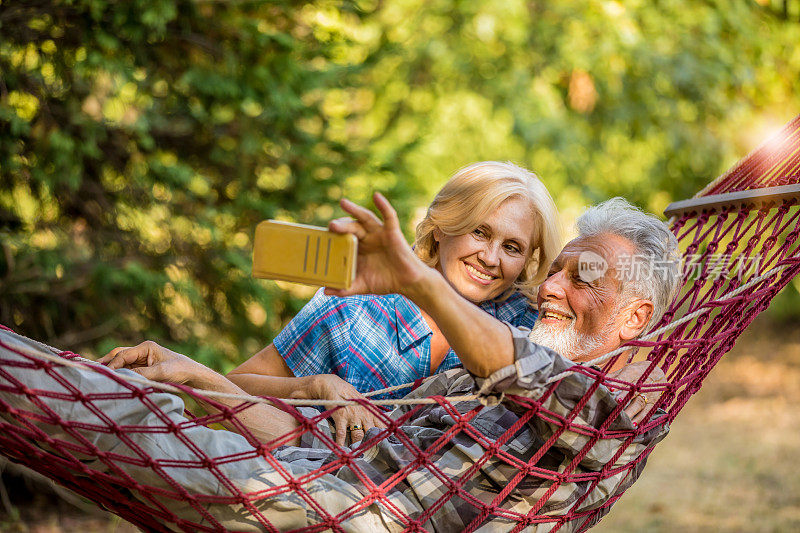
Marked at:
<point>154,362</point>
<point>386,264</point>
<point>643,402</point>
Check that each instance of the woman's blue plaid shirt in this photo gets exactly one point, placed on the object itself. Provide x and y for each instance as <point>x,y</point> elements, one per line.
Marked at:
<point>374,342</point>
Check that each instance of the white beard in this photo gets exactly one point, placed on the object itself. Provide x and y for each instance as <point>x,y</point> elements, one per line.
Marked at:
<point>567,342</point>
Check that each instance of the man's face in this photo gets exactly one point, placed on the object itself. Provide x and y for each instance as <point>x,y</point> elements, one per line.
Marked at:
<point>580,301</point>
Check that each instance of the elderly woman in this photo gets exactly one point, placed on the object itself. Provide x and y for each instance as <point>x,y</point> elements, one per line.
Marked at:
<point>492,232</point>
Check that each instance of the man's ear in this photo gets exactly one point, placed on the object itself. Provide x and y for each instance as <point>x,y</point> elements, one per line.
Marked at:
<point>637,315</point>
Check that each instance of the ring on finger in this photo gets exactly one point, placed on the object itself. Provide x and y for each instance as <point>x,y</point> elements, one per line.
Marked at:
<point>643,397</point>
<point>354,427</point>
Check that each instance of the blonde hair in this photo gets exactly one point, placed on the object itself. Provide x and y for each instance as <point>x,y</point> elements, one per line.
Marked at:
<point>477,190</point>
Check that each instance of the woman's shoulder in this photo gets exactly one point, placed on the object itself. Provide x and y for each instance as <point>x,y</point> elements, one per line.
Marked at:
<point>517,309</point>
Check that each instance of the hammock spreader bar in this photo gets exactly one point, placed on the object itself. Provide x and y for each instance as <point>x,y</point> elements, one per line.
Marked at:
<point>751,197</point>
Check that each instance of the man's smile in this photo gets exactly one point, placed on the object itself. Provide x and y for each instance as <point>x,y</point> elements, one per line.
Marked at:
<point>551,314</point>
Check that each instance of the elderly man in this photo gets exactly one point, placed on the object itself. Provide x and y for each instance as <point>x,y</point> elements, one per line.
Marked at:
<point>472,452</point>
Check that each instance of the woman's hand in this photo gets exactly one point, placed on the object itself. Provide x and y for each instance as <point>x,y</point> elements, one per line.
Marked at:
<point>154,362</point>
<point>353,418</point>
<point>643,402</point>
<point>386,263</point>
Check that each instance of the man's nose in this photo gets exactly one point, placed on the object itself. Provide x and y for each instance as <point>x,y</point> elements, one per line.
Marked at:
<point>553,287</point>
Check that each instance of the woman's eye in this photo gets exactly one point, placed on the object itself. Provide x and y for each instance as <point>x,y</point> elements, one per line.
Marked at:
<point>478,232</point>
<point>510,248</point>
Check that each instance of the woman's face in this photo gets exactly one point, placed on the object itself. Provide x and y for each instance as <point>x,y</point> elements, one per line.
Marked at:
<point>482,264</point>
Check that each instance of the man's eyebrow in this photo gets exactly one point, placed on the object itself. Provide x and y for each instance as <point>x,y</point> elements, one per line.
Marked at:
<point>569,263</point>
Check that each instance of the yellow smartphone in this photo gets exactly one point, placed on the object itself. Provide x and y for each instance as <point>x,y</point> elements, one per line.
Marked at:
<point>304,254</point>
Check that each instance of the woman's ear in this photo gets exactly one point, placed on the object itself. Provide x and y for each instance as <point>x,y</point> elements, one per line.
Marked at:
<point>535,255</point>
<point>637,315</point>
<point>437,234</point>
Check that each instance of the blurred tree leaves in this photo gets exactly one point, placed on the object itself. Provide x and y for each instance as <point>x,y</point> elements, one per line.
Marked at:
<point>140,142</point>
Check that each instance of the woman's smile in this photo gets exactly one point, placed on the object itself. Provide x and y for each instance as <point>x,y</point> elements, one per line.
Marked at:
<point>479,274</point>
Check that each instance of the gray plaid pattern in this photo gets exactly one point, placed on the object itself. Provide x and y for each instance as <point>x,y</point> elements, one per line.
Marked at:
<point>345,486</point>
<point>528,377</point>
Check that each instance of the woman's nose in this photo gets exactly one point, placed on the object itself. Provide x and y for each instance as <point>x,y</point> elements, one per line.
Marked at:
<point>489,255</point>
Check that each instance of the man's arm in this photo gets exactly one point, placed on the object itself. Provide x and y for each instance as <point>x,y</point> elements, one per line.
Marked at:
<point>386,264</point>
<point>157,363</point>
<point>530,376</point>
<point>482,342</point>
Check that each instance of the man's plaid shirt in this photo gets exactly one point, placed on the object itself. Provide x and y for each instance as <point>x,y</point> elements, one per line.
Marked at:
<point>421,487</point>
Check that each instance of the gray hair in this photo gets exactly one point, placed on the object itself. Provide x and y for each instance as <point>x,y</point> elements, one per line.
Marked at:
<point>655,265</point>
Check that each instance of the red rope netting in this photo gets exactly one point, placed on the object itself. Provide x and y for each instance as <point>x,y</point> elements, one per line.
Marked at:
<point>56,419</point>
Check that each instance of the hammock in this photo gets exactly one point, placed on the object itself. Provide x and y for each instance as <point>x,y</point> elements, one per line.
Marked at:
<point>739,239</point>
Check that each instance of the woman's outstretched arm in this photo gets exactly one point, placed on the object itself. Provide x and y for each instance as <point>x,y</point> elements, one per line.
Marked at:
<point>267,374</point>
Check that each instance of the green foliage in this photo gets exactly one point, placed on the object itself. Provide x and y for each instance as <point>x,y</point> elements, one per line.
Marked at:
<point>140,142</point>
